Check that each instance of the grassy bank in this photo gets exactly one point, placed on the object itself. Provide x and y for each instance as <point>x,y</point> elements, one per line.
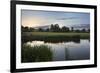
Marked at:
<point>40,53</point>
<point>54,36</point>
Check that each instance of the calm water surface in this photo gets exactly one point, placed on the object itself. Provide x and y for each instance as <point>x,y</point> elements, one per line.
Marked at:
<point>67,50</point>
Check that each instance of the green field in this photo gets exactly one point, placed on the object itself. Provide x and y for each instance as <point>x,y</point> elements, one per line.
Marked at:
<point>56,33</point>
<point>54,36</point>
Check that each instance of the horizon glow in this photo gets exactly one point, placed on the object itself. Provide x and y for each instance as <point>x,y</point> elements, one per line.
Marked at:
<point>35,18</point>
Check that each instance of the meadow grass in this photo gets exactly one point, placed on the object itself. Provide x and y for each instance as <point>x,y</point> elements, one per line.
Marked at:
<point>54,36</point>
<point>57,33</point>
<point>40,53</point>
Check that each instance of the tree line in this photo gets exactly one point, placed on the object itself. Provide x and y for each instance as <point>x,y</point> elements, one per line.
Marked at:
<point>53,28</point>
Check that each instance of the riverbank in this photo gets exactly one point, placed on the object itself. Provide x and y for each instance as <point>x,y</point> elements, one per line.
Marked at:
<point>54,36</point>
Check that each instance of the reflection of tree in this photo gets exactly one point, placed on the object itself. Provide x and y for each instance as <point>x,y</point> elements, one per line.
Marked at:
<point>51,39</point>
<point>66,54</point>
<point>89,40</point>
<point>76,40</point>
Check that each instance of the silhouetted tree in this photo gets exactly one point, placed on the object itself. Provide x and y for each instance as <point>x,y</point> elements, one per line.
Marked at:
<point>72,28</point>
<point>27,29</point>
<point>47,29</point>
<point>56,28</point>
<point>24,29</point>
<point>52,27</point>
<point>31,29</point>
<point>88,30</point>
<point>65,29</point>
<point>83,30</point>
<point>40,29</point>
<point>77,30</point>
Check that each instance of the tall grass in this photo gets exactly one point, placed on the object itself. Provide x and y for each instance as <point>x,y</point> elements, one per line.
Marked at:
<point>36,54</point>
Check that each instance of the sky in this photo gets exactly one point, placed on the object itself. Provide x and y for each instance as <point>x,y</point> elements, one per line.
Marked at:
<point>35,18</point>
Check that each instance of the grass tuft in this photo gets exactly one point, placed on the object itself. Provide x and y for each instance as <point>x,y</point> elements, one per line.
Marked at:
<point>40,53</point>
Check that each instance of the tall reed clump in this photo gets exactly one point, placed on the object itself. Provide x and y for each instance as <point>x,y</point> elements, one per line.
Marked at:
<point>40,53</point>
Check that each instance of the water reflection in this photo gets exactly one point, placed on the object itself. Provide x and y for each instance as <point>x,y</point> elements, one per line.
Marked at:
<point>56,39</point>
<point>67,50</point>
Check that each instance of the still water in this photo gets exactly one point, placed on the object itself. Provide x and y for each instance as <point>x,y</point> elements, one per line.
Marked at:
<point>67,50</point>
